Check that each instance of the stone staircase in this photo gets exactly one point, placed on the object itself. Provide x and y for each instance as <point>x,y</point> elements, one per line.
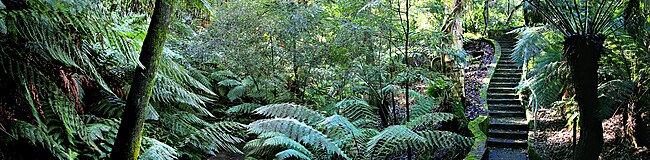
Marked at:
<point>508,130</point>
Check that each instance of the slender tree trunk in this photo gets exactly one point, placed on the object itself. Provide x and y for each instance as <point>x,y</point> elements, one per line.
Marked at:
<point>583,53</point>
<point>486,16</point>
<point>127,142</point>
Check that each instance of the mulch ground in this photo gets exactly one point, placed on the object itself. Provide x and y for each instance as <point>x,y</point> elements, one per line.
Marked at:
<point>555,141</point>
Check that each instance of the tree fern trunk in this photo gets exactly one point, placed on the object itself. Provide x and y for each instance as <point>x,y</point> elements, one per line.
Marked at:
<point>583,53</point>
<point>127,142</point>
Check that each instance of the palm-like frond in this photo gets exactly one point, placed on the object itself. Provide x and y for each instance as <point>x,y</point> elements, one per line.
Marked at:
<point>287,110</point>
<point>298,131</point>
<point>157,150</point>
<point>429,119</point>
<point>548,78</point>
<point>290,153</point>
<point>346,134</point>
<point>244,108</point>
<point>612,95</point>
<point>391,140</point>
<point>356,109</point>
<point>580,18</point>
<point>444,139</point>
<point>531,41</point>
<point>38,136</point>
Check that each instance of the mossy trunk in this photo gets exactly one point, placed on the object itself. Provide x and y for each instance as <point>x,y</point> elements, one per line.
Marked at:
<point>582,53</point>
<point>127,142</point>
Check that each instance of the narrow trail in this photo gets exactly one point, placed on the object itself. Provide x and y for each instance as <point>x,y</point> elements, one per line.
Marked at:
<point>508,130</point>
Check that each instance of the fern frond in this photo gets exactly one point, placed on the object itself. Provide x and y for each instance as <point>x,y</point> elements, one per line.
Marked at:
<point>337,121</point>
<point>298,131</point>
<point>423,105</point>
<point>179,73</point>
<point>345,134</point>
<point>444,139</point>
<point>612,95</point>
<point>167,90</point>
<point>224,75</point>
<point>286,142</point>
<point>157,150</point>
<point>229,83</point>
<point>294,111</point>
<point>216,138</point>
<point>429,119</point>
<point>356,109</point>
<point>531,42</point>
<point>38,136</point>
<point>548,79</point>
<point>236,93</point>
<point>290,154</point>
<point>244,108</point>
<point>391,140</point>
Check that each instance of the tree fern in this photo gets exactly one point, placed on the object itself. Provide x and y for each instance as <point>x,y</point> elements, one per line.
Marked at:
<point>531,41</point>
<point>612,95</point>
<point>429,119</point>
<point>444,139</point>
<point>346,135</point>
<point>157,150</point>
<point>298,131</point>
<point>356,109</point>
<point>236,92</point>
<point>392,139</point>
<point>229,83</point>
<point>244,108</point>
<point>265,144</point>
<point>38,137</point>
<point>548,78</point>
<point>290,153</point>
<point>287,110</point>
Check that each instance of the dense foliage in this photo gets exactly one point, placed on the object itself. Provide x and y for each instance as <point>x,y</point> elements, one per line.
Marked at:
<point>284,79</point>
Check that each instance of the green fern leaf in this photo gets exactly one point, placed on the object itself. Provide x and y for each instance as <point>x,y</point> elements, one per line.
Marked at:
<point>612,95</point>
<point>158,150</point>
<point>244,108</point>
<point>356,109</point>
<point>286,142</point>
<point>391,140</point>
<point>287,110</point>
<point>229,83</point>
<point>430,119</point>
<point>290,154</point>
<point>297,131</point>
<point>236,92</point>
<point>444,139</point>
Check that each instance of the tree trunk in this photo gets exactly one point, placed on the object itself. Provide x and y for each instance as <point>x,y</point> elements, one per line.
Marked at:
<point>127,142</point>
<point>583,53</point>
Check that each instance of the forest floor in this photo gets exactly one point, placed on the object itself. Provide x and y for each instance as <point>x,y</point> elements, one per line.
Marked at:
<point>482,53</point>
<point>553,140</point>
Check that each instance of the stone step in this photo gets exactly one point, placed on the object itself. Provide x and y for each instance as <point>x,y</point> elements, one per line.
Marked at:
<point>509,143</point>
<point>505,65</point>
<point>501,90</point>
<point>503,85</point>
<point>506,113</point>
<point>503,95</point>
<point>498,153</point>
<point>503,101</point>
<point>505,79</point>
<point>505,107</point>
<point>510,74</point>
<point>506,61</point>
<point>509,123</point>
<point>508,70</point>
<point>509,134</point>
